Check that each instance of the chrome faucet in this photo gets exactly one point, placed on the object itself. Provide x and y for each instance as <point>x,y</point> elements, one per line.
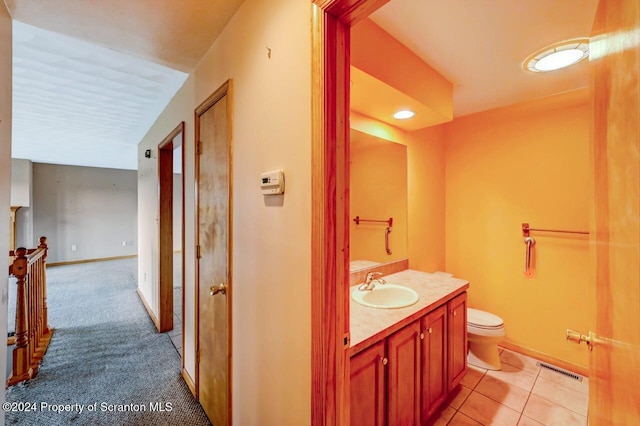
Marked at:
<point>370,281</point>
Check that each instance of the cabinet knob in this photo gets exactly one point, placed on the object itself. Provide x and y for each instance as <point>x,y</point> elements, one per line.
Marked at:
<point>430,330</point>
<point>421,336</point>
<point>453,313</point>
<point>384,360</point>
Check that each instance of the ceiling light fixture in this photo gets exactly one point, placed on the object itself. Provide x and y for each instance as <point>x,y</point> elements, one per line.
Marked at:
<point>403,114</point>
<point>557,56</point>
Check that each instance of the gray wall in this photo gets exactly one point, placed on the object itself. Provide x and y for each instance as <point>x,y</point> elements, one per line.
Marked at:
<point>94,209</point>
<point>22,195</point>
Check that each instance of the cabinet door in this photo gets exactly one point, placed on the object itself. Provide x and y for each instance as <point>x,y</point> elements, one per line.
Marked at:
<point>404,366</point>
<point>433,362</point>
<point>457,325</point>
<point>368,386</point>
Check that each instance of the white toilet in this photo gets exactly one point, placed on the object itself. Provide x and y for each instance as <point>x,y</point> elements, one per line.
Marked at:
<point>484,332</point>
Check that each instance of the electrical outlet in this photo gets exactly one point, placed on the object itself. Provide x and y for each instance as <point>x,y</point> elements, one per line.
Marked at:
<point>74,247</point>
<point>124,244</point>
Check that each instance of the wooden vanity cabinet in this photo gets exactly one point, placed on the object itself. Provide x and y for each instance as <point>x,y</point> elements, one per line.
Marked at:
<point>457,339</point>
<point>368,386</point>
<point>403,389</point>
<point>405,378</point>
<point>433,362</point>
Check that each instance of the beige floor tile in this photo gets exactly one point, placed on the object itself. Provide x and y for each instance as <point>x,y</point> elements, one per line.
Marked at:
<point>442,417</point>
<point>580,386</point>
<point>502,392</point>
<point>552,414</point>
<point>514,376</point>
<point>458,396</point>
<point>527,421</point>
<point>473,376</point>
<point>461,420</point>
<point>520,361</point>
<point>488,411</point>
<point>562,395</point>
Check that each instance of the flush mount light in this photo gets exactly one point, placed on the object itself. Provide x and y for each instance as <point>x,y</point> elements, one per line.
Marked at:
<point>403,114</point>
<point>557,56</point>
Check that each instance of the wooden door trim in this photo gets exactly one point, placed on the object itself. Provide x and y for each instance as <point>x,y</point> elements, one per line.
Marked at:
<point>224,90</point>
<point>165,229</point>
<point>331,22</point>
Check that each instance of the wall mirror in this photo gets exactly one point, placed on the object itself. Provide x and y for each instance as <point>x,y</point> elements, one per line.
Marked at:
<point>378,193</point>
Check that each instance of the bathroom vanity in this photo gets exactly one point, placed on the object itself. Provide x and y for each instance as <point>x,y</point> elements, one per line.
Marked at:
<point>406,361</point>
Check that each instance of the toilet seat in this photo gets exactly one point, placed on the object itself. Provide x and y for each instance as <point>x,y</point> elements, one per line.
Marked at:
<point>484,320</point>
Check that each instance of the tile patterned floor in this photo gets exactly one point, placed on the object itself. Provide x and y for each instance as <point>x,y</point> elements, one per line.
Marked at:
<point>521,394</point>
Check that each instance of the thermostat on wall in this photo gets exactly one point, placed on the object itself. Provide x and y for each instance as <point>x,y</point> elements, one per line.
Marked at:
<point>272,183</point>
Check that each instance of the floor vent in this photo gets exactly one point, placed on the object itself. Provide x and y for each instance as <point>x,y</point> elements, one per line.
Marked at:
<point>559,371</point>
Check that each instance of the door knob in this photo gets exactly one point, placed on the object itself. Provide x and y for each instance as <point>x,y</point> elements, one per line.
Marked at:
<point>574,336</point>
<point>215,289</point>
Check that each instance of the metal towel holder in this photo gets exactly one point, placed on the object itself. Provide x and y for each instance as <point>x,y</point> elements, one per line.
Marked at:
<point>387,231</point>
<point>530,242</point>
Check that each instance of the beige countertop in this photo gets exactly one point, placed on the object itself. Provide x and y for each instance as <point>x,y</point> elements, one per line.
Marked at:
<point>369,325</point>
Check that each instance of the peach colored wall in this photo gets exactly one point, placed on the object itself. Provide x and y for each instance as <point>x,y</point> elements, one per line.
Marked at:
<point>271,377</point>
<point>426,186</point>
<point>378,191</point>
<point>5,168</point>
<point>527,163</point>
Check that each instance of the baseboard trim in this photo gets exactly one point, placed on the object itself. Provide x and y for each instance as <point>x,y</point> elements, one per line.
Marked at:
<point>574,368</point>
<point>148,308</point>
<point>102,259</point>
<point>189,381</point>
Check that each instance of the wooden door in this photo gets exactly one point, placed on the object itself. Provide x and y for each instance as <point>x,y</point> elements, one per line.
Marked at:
<point>433,360</point>
<point>213,168</point>
<point>457,339</point>
<point>166,225</point>
<point>614,396</point>
<point>404,366</point>
<point>368,386</point>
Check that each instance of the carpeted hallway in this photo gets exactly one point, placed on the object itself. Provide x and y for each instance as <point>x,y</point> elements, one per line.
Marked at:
<point>105,356</point>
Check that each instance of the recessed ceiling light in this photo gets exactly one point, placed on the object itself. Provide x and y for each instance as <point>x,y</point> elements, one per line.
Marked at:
<point>559,55</point>
<point>403,114</point>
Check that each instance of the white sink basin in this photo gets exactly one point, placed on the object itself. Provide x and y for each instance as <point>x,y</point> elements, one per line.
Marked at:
<point>385,296</point>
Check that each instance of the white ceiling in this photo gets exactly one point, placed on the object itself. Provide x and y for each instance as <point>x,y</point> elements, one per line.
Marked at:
<point>81,104</point>
<point>175,33</point>
<point>480,45</point>
<point>91,77</point>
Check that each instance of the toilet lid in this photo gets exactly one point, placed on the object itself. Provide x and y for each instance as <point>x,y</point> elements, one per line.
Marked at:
<point>482,318</point>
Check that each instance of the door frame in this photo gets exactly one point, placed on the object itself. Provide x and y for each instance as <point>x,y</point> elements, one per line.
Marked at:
<point>165,229</point>
<point>226,89</point>
<point>330,54</point>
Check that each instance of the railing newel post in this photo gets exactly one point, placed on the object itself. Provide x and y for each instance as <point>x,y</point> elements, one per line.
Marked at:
<point>33,333</point>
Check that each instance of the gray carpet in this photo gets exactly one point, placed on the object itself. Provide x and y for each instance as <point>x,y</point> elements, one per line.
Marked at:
<point>104,351</point>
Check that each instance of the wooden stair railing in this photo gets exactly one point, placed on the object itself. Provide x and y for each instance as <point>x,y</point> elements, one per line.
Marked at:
<point>32,331</point>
